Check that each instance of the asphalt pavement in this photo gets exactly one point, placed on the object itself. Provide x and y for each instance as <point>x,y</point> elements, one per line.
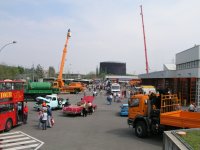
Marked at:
<point>103,130</point>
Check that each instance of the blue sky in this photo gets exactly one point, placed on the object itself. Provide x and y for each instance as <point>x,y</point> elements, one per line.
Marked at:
<point>102,30</point>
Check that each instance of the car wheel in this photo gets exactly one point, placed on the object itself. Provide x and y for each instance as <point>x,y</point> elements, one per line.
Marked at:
<point>81,114</point>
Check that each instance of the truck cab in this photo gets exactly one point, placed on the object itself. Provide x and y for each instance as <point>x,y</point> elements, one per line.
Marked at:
<point>52,100</point>
<point>115,89</point>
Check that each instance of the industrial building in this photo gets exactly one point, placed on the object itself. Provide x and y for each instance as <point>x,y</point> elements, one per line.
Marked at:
<point>120,79</point>
<point>182,78</point>
<point>113,68</point>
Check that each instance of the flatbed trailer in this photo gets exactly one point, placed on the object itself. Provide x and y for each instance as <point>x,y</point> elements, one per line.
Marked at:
<point>181,119</point>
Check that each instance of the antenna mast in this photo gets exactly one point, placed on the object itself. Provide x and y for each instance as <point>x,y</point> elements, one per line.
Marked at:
<point>145,47</point>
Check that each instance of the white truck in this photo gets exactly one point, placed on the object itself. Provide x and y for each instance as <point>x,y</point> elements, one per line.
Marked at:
<point>52,100</point>
<point>115,89</point>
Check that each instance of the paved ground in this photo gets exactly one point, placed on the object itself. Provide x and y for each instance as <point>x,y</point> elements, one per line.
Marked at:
<point>18,140</point>
<point>103,130</point>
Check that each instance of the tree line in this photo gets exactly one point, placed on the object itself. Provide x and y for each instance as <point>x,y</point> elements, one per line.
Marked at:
<point>19,72</point>
<point>34,73</point>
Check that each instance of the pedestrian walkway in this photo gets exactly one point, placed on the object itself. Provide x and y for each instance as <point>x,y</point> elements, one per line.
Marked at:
<point>18,141</point>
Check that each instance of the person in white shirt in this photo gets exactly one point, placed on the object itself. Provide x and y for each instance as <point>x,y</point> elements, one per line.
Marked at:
<point>192,107</point>
<point>44,120</point>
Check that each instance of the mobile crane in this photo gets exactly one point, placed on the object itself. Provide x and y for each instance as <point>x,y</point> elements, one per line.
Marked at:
<point>72,87</point>
<point>59,82</point>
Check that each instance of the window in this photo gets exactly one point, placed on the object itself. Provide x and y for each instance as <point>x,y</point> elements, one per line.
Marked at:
<point>6,108</point>
<point>134,102</point>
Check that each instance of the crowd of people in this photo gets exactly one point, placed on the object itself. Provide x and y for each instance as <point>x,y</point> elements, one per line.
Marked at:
<point>87,108</point>
<point>45,117</point>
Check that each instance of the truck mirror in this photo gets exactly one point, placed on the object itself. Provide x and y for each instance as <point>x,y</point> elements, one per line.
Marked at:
<point>146,101</point>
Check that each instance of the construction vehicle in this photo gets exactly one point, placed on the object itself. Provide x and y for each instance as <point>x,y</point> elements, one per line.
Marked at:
<point>59,83</point>
<point>35,89</point>
<point>74,87</point>
<point>156,113</point>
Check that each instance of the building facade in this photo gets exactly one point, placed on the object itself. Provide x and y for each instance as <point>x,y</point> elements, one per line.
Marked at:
<point>183,79</point>
<point>114,68</point>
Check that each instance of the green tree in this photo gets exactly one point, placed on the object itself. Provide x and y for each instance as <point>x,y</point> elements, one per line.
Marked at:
<point>97,71</point>
<point>90,75</point>
<point>20,69</point>
<point>8,72</point>
<point>39,72</point>
<point>51,72</point>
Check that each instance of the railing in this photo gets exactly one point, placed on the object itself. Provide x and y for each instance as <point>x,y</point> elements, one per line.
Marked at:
<point>170,103</point>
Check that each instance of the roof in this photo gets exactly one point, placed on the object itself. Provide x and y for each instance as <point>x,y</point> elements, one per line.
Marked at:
<point>169,67</point>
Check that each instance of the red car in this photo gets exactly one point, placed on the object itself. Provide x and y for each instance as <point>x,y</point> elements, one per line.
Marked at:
<point>77,109</point>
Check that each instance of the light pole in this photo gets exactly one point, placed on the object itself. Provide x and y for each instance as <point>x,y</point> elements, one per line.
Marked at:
<point>13,42</point>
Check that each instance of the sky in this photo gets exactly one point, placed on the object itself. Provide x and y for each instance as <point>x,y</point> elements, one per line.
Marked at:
<point>102,30</point>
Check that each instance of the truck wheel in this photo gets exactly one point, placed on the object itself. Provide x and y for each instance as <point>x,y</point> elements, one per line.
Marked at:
<point>9,125</point>
<point>76,91</point>
<point>141,129</point>
<point>59,102</point>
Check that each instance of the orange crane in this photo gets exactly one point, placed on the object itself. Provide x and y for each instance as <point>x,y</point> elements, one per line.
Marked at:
<point>59,82</point>
<point>145,47</point>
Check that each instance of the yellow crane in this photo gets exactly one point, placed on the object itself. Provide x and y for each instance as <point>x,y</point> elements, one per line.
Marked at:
<point>59,82</point>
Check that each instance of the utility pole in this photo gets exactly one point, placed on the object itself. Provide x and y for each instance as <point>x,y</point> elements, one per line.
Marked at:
<point>145,47</point>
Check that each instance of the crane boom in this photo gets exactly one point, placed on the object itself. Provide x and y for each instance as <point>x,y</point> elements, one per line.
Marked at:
<point>60,79</point>
<point>145,47</point>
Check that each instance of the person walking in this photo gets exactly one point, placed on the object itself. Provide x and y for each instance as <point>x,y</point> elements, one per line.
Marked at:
<point>192,107</point>
<point>44,119</point>
<point>90,108</point>
<point>84,111</point>
<point>39,117</point>
<point>109,98</point>
<point>114,96</point>
<point>25,113</point>
<point>49,116</point>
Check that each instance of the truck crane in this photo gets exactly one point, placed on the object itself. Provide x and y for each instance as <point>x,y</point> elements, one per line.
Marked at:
<point>73,87</point>
<point>59,82</point>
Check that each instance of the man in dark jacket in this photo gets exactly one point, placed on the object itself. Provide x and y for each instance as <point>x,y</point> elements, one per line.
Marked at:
<point>49,116</point>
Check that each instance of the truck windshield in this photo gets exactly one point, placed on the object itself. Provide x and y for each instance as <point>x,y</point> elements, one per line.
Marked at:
<point>115,87</point>
<point>49,98</point>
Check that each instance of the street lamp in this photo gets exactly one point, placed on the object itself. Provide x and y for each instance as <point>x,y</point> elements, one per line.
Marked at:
<point>13,42</point>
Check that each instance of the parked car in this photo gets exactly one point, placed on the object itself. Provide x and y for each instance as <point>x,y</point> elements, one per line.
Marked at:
<point>124,110</point>
<point>77,109</point>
